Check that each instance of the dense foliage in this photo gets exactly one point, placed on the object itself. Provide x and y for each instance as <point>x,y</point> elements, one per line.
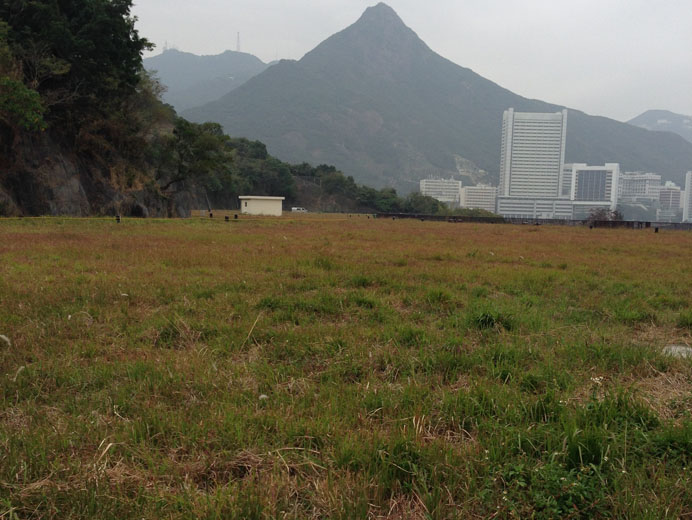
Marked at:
<point>597,214</point>
<point>81,56</point>
<point>74,69</point>
<point>20,106</point>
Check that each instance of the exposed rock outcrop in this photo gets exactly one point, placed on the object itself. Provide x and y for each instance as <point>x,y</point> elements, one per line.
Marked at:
<point>47,179</point>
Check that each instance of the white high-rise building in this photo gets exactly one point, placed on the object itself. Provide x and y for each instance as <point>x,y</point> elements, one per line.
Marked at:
<point>481,196</point>
<point>533,154</point>
<point>687,204</point>
<point>444,190</point>
<point>531,166</point>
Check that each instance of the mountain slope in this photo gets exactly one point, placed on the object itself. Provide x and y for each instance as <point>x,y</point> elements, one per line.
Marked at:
<point>665,121</point>
<point>193,80</point>
<point>375,101</point>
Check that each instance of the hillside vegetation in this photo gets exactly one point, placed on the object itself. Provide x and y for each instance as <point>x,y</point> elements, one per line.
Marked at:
<point>327,367</point>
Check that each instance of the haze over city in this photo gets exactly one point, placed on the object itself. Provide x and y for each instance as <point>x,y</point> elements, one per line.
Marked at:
<point>616,58</point>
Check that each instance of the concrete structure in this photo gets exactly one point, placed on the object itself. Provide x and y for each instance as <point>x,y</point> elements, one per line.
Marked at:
<point>669,203</point>
<point>566,186</point>
<point>531,165</point>
<point>669,196</point>
<point>534,208</point>
<point>533,154</point>
<point>593,187</point>
<point>481,196</point>
<point>595,183</point>
<point>687,203</point>
<point>639,187</point>
<point>444,190</point>
<point>257,205</point>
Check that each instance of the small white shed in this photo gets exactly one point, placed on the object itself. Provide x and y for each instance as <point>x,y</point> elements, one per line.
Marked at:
<point>258,205</point>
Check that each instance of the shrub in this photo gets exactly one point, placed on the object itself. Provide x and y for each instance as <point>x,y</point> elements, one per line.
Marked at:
<point>490,319</point>
<point>685,320</point>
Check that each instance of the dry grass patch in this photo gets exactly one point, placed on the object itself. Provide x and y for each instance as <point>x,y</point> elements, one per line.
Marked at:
<point>668,394</point>
<point>411,370</point>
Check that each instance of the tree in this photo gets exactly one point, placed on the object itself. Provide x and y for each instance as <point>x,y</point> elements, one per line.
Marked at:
<point>603,214</point>
<point>334,182</point>
<point>20,106</point>
<point>422,204</point>
<point>81,55</point>
<point>194,152</point>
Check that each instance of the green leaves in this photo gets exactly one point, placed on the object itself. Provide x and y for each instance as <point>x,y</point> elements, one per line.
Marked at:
<point>20,106</point>
<point>81,56</point>
<point>225,167</point>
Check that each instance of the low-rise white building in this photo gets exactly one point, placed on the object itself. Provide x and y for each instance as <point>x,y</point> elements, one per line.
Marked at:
<point>593,187</point>
<point>260,205</point>
<point>481,196</point>
<point>669,197</point>
<point>637,186</point>
<point>513,207</point>
<point>444,190</point>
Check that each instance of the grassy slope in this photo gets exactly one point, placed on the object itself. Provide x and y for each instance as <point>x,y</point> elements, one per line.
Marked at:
<point>410,368</point>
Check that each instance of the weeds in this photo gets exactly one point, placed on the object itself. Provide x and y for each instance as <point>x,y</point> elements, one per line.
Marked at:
<point>685,320</point>
<point>490,319</point>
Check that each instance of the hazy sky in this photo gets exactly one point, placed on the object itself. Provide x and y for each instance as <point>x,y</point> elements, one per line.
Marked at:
<point>615,58</point>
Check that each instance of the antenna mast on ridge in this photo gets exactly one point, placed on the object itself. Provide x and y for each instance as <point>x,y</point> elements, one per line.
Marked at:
<point>237,45</point>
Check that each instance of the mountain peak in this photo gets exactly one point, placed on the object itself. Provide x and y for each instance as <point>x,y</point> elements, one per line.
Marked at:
<point>379,37</point>
<point>380,15</point>
<point>381,11</point>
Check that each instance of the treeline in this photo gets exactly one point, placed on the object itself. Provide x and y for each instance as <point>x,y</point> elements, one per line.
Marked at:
<point>201,156</point>
<point>228,167</point>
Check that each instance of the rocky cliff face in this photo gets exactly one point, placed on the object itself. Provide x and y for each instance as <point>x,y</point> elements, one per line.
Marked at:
<point>46,179</point>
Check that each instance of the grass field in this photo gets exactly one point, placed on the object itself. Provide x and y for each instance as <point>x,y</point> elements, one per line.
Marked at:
<point>342,368</point>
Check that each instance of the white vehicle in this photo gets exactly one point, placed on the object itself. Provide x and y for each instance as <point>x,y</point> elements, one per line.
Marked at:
<point>297,209</point>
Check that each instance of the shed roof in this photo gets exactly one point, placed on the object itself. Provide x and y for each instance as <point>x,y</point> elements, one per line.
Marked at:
<point>261,197</point>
